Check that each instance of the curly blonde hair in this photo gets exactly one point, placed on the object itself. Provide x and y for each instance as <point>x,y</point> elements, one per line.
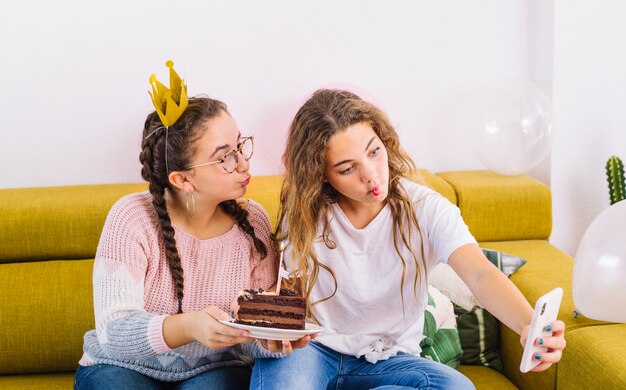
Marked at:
<point>305,199</point>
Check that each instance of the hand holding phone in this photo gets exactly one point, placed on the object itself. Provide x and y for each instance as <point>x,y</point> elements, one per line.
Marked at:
<point>546,311</point>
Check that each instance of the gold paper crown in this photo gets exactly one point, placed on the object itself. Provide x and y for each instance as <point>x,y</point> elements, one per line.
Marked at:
<point>170,103</point>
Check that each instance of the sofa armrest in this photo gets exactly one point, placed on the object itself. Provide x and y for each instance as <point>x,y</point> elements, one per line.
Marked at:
<point>499,208</point>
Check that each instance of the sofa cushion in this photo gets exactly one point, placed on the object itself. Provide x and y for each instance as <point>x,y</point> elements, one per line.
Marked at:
<point>59,381</point>
<point>68,227</point>
<point>266,191</point>
<point>485,378</point>
<point>516,207</point>
<point>46,309</point>
<point>56,222</point>
<point>598,346</point>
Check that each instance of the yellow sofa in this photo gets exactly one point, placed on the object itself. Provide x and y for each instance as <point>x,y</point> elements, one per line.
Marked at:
<point>48,238</point>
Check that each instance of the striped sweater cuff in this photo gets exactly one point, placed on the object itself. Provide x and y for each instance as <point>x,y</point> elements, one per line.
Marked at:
<point>155,335</point>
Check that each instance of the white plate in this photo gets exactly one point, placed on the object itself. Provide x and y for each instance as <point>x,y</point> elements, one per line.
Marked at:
<point>260,332</point>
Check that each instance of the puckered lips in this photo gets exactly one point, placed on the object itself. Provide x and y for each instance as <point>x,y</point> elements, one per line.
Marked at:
<point>376,191</point>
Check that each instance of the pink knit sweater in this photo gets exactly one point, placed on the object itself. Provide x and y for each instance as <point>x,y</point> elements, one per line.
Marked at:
<point>134,290</point>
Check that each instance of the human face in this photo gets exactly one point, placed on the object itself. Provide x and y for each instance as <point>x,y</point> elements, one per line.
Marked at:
<point>221,138</point>
<point>356,165</point>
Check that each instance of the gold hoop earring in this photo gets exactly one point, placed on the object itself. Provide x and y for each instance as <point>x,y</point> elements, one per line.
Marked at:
<point>191,211</point>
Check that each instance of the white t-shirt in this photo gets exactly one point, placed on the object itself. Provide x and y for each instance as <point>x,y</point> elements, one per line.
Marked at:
<point>366,316</point>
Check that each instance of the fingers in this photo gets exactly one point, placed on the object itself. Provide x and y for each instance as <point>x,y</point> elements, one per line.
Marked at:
<point>287,349</point>
<point>282,346</point>
<point>547,359</point>
<point>301,343</point>
<point>234,308</point>
<point>230,339</point>
<point>552,343</point>
<point>557,328</point>
<point>220,328</point>
<point>271,345</point>
<point>555,345</point>
<point>542,367</point>
<point>286,346</point>
<point>216,313</point>
<point>557,340</point>
<point>226,334</point>
<point>218,335</point>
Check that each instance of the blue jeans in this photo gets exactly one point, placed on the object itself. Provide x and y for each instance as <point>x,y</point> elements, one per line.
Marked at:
<point>317,367</point>
<point>104,376</point>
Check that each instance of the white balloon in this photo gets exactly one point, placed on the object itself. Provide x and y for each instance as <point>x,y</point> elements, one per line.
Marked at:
<point>600,267</point>
<point>514,129</point>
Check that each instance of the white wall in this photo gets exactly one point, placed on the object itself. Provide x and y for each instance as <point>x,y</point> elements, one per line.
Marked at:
<point>73,96</point>
<point>590,106</point>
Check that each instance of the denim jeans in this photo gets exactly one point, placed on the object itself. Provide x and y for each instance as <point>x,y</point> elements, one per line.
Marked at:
<point>317,367</point>
<point>104,376</point>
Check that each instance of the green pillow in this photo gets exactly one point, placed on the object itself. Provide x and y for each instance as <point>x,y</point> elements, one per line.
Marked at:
<point>478,329</point>
<point>441,339</point>
<point>505,262</point>
<point>479,332</point>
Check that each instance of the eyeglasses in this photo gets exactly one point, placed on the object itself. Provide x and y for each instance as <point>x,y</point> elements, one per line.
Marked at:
<point>231,159</point>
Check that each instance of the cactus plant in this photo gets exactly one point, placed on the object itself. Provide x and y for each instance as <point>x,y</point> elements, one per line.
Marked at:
<point>615,177</point>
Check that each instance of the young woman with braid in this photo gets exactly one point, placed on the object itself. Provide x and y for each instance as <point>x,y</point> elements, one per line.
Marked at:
<point>172,259</point>
<point>361,239</point>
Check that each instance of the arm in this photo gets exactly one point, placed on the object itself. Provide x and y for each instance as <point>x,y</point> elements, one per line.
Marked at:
<point>125,329</point>
<point>503,299</point>
<point>137,333</point>
<point>452,241</point>
<point>491,287</point>
<point>202,326</point>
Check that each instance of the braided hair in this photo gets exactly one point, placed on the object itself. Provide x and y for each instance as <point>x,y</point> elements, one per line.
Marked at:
<point>180,140</point>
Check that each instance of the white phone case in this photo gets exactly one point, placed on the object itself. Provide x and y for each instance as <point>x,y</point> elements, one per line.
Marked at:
<point>546,311</point>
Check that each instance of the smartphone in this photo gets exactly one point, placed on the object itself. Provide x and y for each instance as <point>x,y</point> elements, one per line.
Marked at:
<point>546,311</point>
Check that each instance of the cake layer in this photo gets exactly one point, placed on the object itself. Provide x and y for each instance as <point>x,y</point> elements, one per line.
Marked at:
<point>274,300</point>
<point>295,312</point>
<point>259,308</point>
<point>270,319</point>
<point>266,324</point>
<point>271,313</point>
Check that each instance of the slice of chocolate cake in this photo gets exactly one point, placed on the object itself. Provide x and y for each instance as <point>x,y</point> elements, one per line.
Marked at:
<point>266,309</point>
